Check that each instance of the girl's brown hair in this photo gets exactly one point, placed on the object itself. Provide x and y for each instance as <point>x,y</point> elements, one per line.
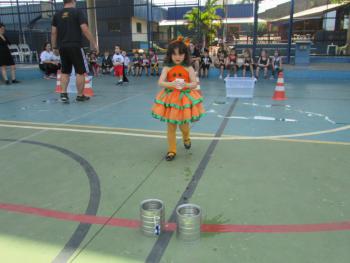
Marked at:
<point>183,49</point>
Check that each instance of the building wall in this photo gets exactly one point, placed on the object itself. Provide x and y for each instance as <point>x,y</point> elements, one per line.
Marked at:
<point>109,14</point>
<point>136,36</point>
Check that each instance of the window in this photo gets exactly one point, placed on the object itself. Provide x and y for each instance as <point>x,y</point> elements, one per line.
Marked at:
<point>113,26</point>
<point>139,27</point>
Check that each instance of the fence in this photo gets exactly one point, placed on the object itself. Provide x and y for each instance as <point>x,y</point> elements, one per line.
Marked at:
<point>153,23</point>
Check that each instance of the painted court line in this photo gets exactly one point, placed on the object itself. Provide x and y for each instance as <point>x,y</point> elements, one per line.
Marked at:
<point>159,247</point>
<point>206,228</point>
<point>43,130</point>
<point>143,135</point>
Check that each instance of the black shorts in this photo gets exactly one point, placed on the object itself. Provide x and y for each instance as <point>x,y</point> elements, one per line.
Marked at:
<point>73,56</point>
<point>204,66</point>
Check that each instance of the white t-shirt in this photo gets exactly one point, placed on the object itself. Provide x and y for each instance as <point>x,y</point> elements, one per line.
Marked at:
<point>126,61</point>
<point>46,56</point>
<point>56,58</point>
<point>118,58</point>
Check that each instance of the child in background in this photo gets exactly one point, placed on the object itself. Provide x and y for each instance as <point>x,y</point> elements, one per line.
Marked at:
<point>248,62</point>
<point>93,64</point>
<point>220,63</point>
<point>127,64</point>
<point>106,63</point>
<point>145,64</point>
<point>263,63</point>
<point>118,61</point>
<point>205,64</point>
<point>178,103</point>
<point>136,65</point>
<point>276,64</point>
<point>154,62</point>
<point>231,63</point>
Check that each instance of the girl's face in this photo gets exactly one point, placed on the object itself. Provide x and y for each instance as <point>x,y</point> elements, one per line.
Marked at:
<point>117,50</point>
<point>177,58</point>
<point>48,47</point>
<point>136,55</point>
<point>233,52</point>
<point>106,54</point>
<point>144,56</point>
<point>2,30</point>
<point>124,53</point>
<point>276,54</point>
<point>263,53</point>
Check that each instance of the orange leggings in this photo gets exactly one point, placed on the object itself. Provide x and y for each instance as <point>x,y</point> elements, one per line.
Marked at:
<point>185,129</point>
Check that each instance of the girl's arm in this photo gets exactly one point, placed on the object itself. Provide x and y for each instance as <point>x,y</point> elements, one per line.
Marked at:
<point>281,63</point>
<point>193,79</point>
<point>163,79</point>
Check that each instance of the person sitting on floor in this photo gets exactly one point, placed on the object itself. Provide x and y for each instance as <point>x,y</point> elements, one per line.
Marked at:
<point>263,63</point>
<point>47,63</point>
<point>106,64</point>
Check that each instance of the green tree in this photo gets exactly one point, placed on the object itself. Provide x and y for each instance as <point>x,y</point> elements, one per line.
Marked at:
<point>206,20</point>
<point>348,34</point>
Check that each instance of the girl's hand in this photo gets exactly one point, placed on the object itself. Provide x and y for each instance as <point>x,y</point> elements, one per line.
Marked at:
<point>179,83</point>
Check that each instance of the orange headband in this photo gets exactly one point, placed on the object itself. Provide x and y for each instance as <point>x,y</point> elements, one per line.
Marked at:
<point>186,41</point>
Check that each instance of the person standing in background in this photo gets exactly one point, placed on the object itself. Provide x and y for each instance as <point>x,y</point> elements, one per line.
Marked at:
<point>6,58</point>
<point>68,26</point>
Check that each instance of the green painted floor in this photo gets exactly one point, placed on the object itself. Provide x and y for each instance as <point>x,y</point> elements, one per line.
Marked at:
<point>247,181</point>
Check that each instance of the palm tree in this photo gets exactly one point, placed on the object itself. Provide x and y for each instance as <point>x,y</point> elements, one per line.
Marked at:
<point>206,20</point>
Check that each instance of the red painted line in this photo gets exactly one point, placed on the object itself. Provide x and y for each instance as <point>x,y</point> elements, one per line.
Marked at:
<point>128,223</point>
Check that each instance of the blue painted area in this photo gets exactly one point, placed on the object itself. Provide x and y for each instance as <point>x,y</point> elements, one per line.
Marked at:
<point>27,74</point>
<point>325,59</point>
<point>307,74</point>
<point>309,103</point>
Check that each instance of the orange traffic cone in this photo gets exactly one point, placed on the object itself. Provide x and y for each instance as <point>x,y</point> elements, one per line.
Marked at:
<point>88,87</point>
<point>280,93</point>
<point>58,82</point>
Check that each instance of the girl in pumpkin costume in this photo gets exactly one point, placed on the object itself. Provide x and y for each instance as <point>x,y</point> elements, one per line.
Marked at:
<point>178,103</point>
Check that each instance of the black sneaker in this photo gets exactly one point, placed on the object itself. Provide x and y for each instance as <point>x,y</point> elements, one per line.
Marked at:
<point>15,81</point>
<point>64,98</point>
<point>82,98</point>
<point>7,82</point>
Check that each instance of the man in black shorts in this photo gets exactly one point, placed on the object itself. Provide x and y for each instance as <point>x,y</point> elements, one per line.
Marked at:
<point>68,26</point>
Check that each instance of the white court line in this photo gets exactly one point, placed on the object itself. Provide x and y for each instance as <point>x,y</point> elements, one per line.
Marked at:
<point>142,135</point>
<point>45,129</point>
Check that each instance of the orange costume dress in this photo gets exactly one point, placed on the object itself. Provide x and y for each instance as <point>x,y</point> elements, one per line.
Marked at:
<point>178,107</point>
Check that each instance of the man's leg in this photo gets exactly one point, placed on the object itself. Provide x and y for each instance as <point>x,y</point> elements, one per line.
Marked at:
<point>80,82</point>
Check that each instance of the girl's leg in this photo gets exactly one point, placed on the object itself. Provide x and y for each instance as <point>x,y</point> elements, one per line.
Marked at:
<point>185,129</point>
<point>222,68</point>
<point>13,72</point>
<point>243,72</point>
<point>257,71</point>
<point>172,138</point>
<point>4,73</point>
<point>265,71</point>
<point>235,70</point>
<point>252,70</point>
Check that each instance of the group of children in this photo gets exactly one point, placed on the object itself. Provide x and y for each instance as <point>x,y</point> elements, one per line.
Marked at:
<point>121,64</point>
<point>233,62</point>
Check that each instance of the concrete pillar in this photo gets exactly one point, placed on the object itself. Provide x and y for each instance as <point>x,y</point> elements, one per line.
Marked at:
<point>91,13</point>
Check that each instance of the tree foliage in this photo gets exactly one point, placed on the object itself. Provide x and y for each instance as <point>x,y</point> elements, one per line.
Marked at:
<point>206,21</point>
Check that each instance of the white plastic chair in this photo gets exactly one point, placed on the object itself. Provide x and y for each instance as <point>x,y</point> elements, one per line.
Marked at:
<point>16,52</point>
<point>26,52</point>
